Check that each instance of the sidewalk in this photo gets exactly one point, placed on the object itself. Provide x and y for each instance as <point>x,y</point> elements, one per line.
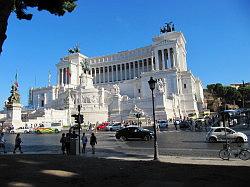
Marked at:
<point>131,170</point>
<point>176,159</point>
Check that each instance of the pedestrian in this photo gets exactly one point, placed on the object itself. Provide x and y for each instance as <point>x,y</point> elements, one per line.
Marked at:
<point>175,124</point>
<point>2,142</point>
<point>67,143</point>
<point>93,142</point>
<point>18,142</point>
<point>63,142</point>
<point>84,142</point>
<point>74,135</point>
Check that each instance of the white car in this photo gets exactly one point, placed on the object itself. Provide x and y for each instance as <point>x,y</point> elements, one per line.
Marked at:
<point>162,123</point>
<point>20,130</point>
<point>113,127</point>
<point>218,134</point>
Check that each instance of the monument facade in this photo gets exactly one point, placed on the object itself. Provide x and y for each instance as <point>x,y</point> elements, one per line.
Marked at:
<point>110,87</point>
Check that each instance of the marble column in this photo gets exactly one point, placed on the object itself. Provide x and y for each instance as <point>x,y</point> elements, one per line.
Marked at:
<point>38,101</point>
<point>157,60</point>
<point>163,59</point>
<point>129,71</point>
<point>125,69</point>
<point>175,62</point>
<point>103,74</point>
<point>134,69</point>
<point>121,73</point>
<point>95,75</point>
<point>116,72</point>
<point>99,74</point>
<point>152,61</point>
<point>169,59</point>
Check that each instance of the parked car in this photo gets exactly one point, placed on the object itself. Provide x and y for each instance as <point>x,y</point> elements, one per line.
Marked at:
<point>102,126</point>
<point>184,125</point>
<point>134,133</point>
<point>113,127</point>
<point>162,123</point>
<point>218,134</point>
<point>20,130</point>
<point>44,130</point>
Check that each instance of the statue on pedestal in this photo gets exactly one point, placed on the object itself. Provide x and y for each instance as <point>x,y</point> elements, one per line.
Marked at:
<point>75,49</point>
<point>168,28</point>
<point>14,97</point>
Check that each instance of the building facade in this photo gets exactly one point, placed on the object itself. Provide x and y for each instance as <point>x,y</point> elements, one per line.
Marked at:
<point>110,87</point>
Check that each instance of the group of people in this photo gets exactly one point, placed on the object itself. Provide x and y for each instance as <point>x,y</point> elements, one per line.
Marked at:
<point>18,142</point>
<point>65,141</point>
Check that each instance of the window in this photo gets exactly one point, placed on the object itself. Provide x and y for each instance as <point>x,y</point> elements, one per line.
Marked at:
<point>185,86</point>
<point>42,103</point>
<point>139,90</point>
<point>217,130</point>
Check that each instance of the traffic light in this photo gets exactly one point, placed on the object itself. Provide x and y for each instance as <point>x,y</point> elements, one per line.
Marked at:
<point>81,119</point>
<point>78,118</point>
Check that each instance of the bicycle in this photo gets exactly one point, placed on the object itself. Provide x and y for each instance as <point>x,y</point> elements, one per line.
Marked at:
<point>226,152</point>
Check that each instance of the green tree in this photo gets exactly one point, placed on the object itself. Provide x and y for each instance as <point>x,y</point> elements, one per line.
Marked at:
<point>216,89</point>
<point>231,95</point>
<point>245,92</point>
<point>56,7</point>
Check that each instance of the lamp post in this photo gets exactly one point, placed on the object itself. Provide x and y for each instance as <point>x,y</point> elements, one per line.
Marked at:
<point>151,83</point>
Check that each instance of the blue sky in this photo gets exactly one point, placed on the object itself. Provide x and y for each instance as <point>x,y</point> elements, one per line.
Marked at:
<point>217,34</point>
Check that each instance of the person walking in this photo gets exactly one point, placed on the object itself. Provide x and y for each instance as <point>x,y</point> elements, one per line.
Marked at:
<point>2,142</point>
<point>84,142</point>
<point>67,143</point>
<point>18,142</point>
<point>63,142</point>
<point>93,141</point>
<point>175,125</point>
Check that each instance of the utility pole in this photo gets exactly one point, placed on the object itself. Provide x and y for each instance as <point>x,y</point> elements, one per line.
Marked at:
<point>79,128</point>
<point>243,95</point>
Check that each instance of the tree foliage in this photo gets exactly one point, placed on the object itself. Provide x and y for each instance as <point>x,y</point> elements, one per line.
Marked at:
<point>230,95</point>
<point>245,92</point>
<point>216,89</point>
<point>19,7</point>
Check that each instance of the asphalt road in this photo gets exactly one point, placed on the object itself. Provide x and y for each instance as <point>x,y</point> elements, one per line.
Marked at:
<point>170,142</point>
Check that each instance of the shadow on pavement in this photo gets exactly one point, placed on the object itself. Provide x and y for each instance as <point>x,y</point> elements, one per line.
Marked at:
<point>60,170</point>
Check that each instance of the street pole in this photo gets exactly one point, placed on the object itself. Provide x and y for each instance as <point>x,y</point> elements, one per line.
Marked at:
<point>243,95</point>
<point>79,130</point>
<point>138,120</point>
<point>155,136</point>
<point>151,83</point>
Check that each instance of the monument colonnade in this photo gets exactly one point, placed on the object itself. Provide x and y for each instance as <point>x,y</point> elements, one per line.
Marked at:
<point>162,59</point>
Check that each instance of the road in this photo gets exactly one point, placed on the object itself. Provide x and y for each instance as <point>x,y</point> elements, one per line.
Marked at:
<point>170,142</point>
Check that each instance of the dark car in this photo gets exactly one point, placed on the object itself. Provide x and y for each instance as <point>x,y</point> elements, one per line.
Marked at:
<point>134,133</point>
<point>185,125</point>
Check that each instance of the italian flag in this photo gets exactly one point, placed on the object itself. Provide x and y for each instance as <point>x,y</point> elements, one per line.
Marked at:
<point>68,71</point>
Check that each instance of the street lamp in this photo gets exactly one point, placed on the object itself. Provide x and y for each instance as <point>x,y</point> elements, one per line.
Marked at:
<point>151,83</point>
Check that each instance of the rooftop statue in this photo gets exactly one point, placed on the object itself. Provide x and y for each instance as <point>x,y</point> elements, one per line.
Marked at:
<point>169,27</point>
<point>14,97</point>
<point>75,49</point>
